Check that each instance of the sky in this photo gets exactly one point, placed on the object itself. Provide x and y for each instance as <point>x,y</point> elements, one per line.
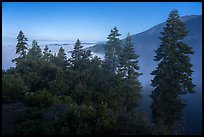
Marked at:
<point>88,21</point>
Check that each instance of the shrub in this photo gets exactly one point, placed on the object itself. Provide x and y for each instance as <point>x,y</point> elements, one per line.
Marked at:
<point>13,88</point>
<point>29,127</point>
<point>29,121</point>
<point>40,99</point>
<point>65,99</point>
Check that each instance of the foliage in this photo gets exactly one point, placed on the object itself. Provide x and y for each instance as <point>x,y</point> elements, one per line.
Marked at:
<point>113,50</point>
<point>172,77</point>
<point>84,95</point>
<point>13,88</point>
<point>61,59</point>
<point>28,122</point>
<point>128,73</point>
<point>21,46</point>
<point>40,99</point>
<point>29,127</point>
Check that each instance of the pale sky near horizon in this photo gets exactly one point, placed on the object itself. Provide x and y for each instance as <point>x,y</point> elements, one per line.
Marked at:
<point>88,21</point>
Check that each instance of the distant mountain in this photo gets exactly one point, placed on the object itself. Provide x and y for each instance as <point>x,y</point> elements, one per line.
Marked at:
<point>146,42</point>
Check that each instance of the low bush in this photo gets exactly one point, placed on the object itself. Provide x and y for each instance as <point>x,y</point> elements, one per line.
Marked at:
<point>13,88</point>
<point>40,99</point>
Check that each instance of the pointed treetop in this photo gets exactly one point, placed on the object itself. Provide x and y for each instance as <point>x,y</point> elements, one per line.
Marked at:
<point>174,14</point>
<point>46,48</point>
<point>129,39</point>
<point>114,34</point>
<point>34,43</point>
<point>78,45</point>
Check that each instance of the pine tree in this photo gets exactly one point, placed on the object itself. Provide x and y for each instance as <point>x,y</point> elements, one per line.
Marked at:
<point>79,66</point>
<point>77,53</point>
<point>128,71</point>
<point>47,54</point>
<point>61,58</point>
<point>129,61</point>
<point>172,77</point>
<point>35,52</point>
<point>79,56</point>
<point>113,50</point>
<point>21,46</point>
<point>30,68</point>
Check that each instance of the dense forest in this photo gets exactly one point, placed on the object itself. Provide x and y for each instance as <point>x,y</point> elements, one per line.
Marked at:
<point>86,95</point>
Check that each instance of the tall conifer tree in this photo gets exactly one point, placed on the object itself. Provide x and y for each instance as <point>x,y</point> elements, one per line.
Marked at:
<point>35,52</point>
<point>173,75</point>
<point>128,71</point>
<point>47,54</point>
<point>61,58</point>
<point>21,48</point>
<point>113,50</point>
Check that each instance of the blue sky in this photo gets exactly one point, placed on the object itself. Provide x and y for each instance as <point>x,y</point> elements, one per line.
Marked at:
<point>87,21</point>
